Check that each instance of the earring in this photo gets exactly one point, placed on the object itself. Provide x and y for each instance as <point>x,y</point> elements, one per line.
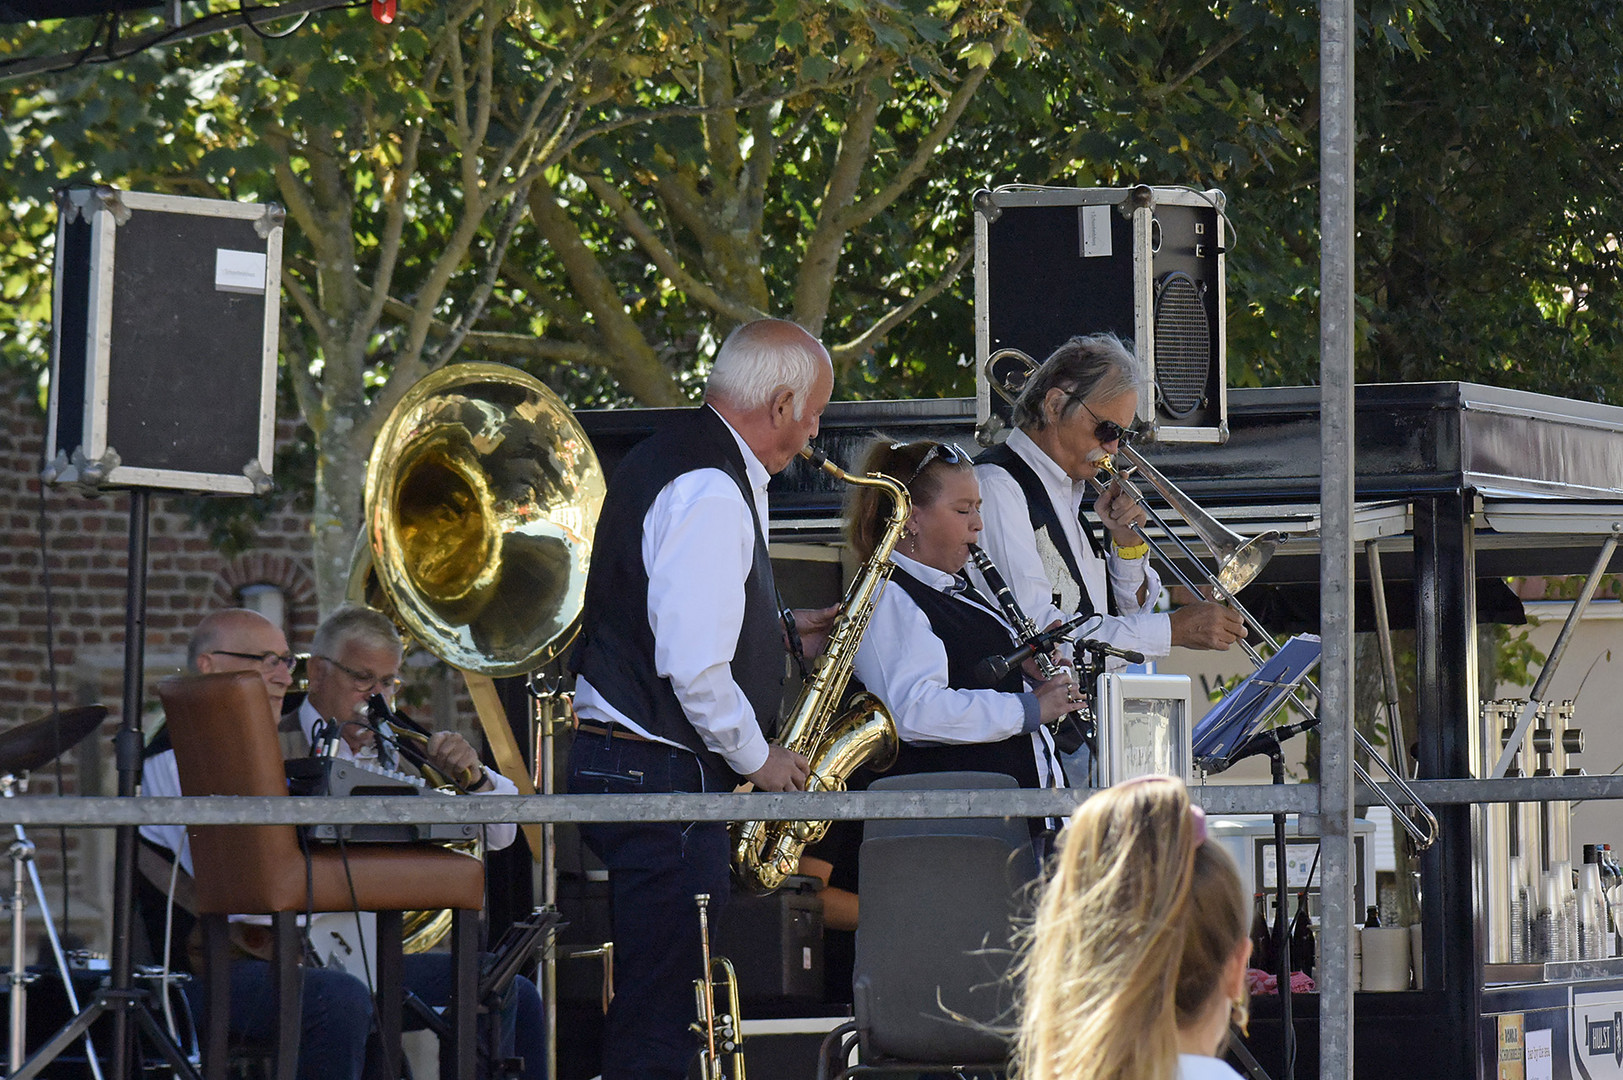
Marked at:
<point>1240,1014</point>
<point>912,541</point>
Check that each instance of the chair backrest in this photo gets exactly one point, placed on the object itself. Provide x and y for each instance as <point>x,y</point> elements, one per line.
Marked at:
<point>1014,830</point>
<point>934,946</point>
<point>224,735</point>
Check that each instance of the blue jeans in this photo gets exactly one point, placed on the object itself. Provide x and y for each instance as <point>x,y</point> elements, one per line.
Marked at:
<point>336,1014</point>
<point>655,869</point>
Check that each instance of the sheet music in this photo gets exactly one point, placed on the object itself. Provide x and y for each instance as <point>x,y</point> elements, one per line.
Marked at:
<point>1242,713</point>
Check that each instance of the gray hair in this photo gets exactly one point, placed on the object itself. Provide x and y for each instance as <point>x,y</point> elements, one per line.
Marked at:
<point>1095,367</point>
<point>761,358</point>
<point>352,623</point>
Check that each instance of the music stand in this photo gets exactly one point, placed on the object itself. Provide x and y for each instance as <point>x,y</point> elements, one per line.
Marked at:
<point>1231,732</point>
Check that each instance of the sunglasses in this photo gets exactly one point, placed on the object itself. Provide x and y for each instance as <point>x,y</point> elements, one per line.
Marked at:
<point>944,452</point>
<point>1106,431</point>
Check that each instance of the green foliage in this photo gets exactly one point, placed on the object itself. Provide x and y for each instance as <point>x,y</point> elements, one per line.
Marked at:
<point>701,164</point>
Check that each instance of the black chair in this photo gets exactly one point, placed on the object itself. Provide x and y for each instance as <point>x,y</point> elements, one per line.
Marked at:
<point>940,900</point>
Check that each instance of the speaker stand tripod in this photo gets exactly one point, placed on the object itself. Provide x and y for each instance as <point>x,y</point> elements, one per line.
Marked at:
<point>120,999</point>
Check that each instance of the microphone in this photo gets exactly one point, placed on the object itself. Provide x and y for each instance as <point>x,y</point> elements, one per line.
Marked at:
<point>991,671</point>
<point>1094,645</point>
<point>410,741</point>
<point>325,739</point>
<point>1265,741</point>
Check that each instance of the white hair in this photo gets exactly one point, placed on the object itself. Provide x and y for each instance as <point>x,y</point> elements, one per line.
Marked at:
<point>760,359</point>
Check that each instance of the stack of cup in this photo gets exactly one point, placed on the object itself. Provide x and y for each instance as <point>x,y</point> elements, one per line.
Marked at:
<point>1385,957</point>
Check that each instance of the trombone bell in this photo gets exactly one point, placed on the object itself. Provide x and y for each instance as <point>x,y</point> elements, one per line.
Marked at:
<point>1239,560</point>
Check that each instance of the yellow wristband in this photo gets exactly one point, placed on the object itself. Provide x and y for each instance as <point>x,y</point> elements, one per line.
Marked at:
<point>1137,551</point>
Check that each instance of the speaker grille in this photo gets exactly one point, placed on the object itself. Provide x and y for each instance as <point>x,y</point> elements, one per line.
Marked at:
<point>1183,345</point>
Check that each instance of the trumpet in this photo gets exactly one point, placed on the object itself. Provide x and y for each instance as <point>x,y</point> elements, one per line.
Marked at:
<point>720,1029</point>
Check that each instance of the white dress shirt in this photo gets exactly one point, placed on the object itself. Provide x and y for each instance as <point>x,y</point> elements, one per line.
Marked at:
<point>1032,566</point>
<point>904,664</point>
<point>1201,1067</point>
<point>496,836</point>
<point>698,545</point>
<point>161,776</point>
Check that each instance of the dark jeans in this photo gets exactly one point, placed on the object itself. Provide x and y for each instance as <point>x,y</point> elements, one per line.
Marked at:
<point>655,869</point>
<point>336,1017</point>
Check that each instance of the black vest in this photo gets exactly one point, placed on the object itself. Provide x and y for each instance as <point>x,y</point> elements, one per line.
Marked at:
<point>1040,508</point>
<point>970,636</point>
<point>615,652</point>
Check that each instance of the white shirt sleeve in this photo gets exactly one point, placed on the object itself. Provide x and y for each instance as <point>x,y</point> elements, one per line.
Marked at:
<point>698,546</point>
<point>161,776</point>
<point>1008,539</point>
<point>500,835</point>
<point>904,664</point>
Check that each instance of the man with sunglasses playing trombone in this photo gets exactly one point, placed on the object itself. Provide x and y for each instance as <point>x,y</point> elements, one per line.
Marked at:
<point>1074,410</point>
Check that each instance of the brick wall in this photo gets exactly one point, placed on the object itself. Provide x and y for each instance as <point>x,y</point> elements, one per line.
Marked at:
<point>79,622</point>
<point>88,541</point>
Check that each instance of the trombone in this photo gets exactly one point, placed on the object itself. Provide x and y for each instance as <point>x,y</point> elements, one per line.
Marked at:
<point>1239,561</point>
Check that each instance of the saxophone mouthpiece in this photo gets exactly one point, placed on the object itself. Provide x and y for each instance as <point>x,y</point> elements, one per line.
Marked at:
<point>813,455</point>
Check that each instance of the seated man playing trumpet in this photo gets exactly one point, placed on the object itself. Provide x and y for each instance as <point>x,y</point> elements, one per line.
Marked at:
<point>930,629</point>
<point>358,653</point>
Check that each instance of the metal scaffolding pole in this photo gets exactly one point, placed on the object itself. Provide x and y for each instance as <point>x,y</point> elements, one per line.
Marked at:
<point>1336,552</point>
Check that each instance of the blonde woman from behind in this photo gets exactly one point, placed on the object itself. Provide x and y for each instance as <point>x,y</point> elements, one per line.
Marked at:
<point>1135,964</point>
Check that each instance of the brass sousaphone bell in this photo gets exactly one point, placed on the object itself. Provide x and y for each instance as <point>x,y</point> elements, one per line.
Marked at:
<point>482,495</point>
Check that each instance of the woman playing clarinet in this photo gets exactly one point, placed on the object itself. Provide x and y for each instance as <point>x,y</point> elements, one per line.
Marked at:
<point>931,631</point>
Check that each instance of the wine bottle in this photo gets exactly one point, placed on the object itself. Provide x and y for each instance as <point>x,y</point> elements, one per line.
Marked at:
<point>1262,944</point>
<point>1303,951</point>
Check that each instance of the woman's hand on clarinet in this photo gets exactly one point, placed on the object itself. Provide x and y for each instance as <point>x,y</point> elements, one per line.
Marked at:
<point>1033,672</point>
<point>1058,696</point>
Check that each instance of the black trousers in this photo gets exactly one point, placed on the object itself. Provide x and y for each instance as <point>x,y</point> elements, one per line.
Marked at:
<point>655,870</point>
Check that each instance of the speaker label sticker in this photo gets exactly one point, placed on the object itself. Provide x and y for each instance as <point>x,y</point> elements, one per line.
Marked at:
<point>239,271</point>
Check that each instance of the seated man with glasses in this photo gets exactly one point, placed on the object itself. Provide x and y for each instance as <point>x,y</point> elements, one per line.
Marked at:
<point>1074,410</point>
<point>356,654</point>
<point>360,656</point>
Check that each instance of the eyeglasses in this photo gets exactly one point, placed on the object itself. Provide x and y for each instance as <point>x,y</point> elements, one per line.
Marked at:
<point>267,661</point>
<point>946,452</point>
<point>1106,431</point>
<point>365,680</point>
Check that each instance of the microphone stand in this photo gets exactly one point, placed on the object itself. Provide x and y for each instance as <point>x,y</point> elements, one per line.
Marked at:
<point>1272,743</point>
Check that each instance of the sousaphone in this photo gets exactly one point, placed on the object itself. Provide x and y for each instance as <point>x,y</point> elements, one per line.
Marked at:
<point>482,495</point>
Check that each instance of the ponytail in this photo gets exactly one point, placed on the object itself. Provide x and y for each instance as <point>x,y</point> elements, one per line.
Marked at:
<point>1103,979</point>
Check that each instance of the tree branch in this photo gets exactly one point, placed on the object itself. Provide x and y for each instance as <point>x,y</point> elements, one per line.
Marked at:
<point>1233,38</point>
<point>665,259</point>
<point>848,353</point>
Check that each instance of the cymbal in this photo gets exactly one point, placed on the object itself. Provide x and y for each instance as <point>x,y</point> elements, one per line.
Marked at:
<point>28,746</point>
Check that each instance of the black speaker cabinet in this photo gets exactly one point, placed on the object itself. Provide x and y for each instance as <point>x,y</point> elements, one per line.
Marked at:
<point>163,355</point>
<point>1145,263</point>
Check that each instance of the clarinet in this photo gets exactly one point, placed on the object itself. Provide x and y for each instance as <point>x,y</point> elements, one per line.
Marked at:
<point>1024,628</point>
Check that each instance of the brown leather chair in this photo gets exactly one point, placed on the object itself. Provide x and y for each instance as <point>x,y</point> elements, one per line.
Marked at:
<point>225,744</point>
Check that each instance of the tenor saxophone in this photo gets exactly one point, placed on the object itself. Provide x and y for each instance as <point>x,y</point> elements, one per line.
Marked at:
<point>835,743</point>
